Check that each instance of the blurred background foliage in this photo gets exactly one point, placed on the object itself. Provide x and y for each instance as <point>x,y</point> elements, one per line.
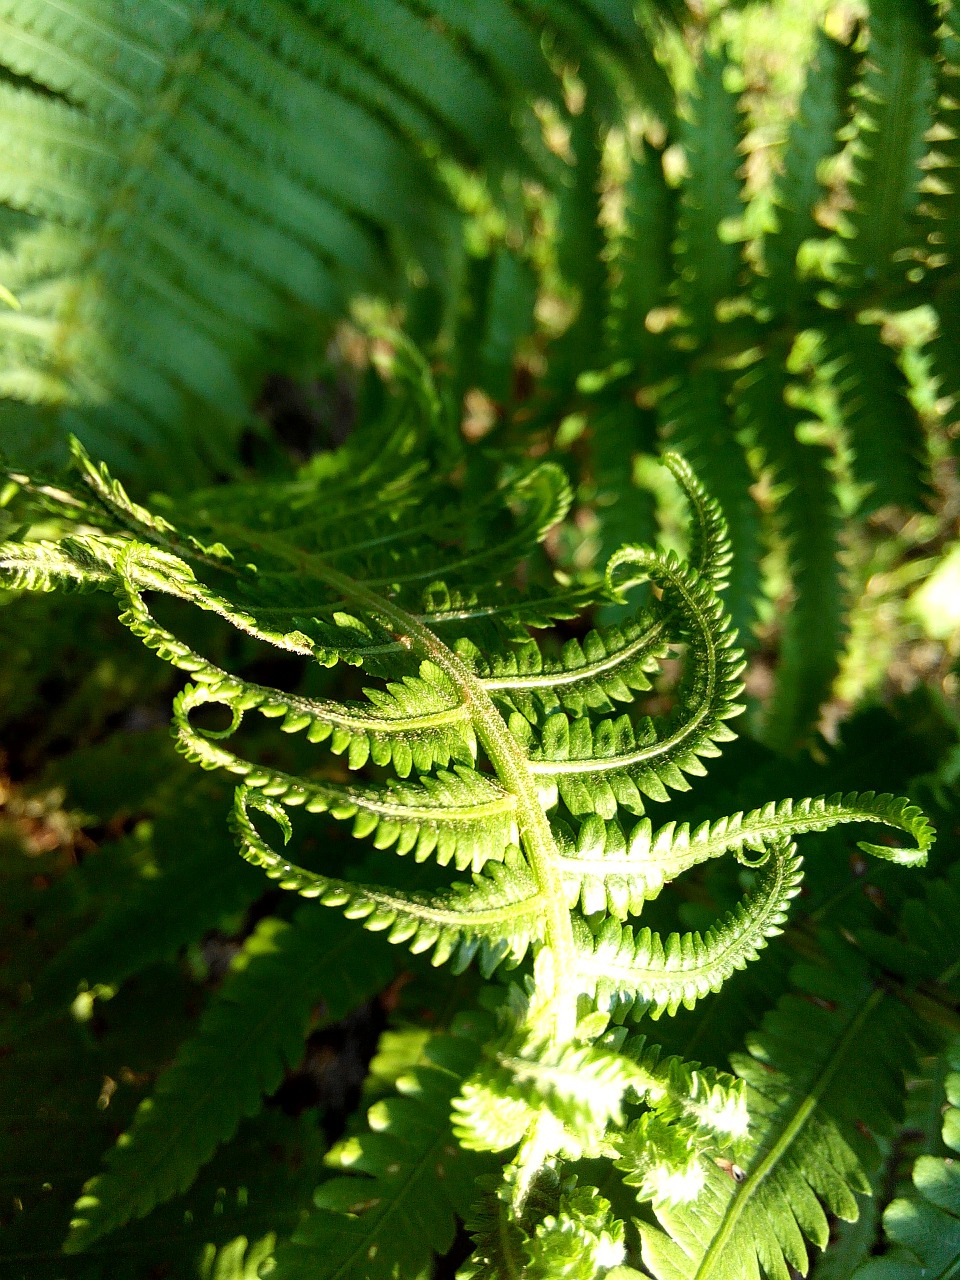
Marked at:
<point>732,228</point>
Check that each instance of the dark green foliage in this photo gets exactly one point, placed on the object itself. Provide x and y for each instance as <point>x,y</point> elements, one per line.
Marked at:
<point>923,1229</point>
<point>187,218</point>
<point>416,1182</point>
<point>253,1029</point>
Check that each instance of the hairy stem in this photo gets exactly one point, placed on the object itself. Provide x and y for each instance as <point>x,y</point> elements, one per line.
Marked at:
<point>513,771</point>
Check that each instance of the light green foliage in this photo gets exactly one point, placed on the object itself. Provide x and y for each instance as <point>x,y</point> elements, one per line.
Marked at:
<point>519,761</point>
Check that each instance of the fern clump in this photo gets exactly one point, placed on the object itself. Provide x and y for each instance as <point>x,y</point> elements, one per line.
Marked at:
<point>525,764</point>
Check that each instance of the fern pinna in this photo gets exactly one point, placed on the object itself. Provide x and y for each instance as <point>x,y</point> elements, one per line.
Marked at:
<point>483,743</point>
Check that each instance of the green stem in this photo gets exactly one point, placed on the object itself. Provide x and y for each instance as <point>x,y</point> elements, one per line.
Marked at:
<point>513,771</point>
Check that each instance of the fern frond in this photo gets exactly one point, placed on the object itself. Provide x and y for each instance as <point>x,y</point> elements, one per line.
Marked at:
<point>460,816</point>
<point>181,168</point>
<point>924,1227</point>
<point>707,266</point>
<point>807,1145</point>
<point>198,1102</point>
<point>696,414</point>
<point>597,771</point>
<point>895,102</point>
<point>640,257</point>
<point>461,679</point>
<point>808,515</point>
<point>625,972</point>
<point>608,870</point>
<point>73,565</point>
<point>583,1086</point>
<point>408,1183</point>
<point>823,109</point>
<point>711,1099</point>
<point>494,919</point>
<point>886,434</point>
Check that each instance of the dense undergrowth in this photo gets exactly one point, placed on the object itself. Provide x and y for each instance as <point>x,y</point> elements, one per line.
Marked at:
<point>421,580</point>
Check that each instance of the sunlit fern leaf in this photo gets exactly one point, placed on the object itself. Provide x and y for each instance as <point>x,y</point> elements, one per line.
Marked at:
<point>494,919</point>
<point>922,1229</point>
<point>808,517</point>
<point>583,1086</point>
<point>895,102</point>
<point>239,1259</point>
<point>460,815</point>
<point>606,869</point>
<point>198,1102</point>
<point>625,972</point>
<point>425,707</point>
<point>809,1137</point>
<point>616,764</point>
<point>406,1183</point>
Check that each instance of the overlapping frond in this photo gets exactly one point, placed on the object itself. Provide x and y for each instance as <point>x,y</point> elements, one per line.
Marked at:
<point>609,870</point>
<point>810,1135</point>
<point>188,216</point>
<point>623,971</point>
<point>618,763</point>
<point>265,1005</point>
<point>923,1229</point>
<point>495,918</point>
<point>405,1181</point>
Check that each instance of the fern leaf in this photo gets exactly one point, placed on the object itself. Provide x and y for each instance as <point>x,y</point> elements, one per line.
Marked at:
<point>608,870</point>
<point>887,438</point>
<point>708,262</point>
<point>181,169</point>
<point>640,258</point>
<point>895,104</point>
<point>806,1149</point>
<point>583,1086</point>
<point>494,919</point>
<point>618,764</point>
<point>460,816</point>
<point>640,973</point>
<point>924,1227</point>
<point>824,108</point>
<point>580,250</point>
<point>696,414</point>
<point>808,515</point>
<point>408,1183</point>
<point>283,971</point>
